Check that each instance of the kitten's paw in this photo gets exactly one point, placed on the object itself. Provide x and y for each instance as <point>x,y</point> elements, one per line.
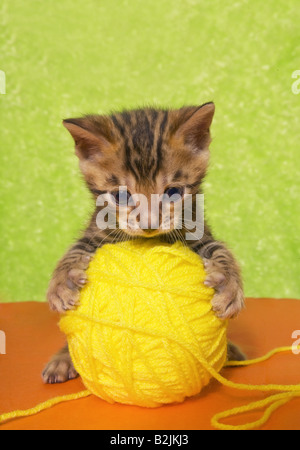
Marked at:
<point>76,278</point>
<point>61,298</point>
<point>228,300</point>
<point>59,370</point>
<point>234,353</point>
<point>64,289</point>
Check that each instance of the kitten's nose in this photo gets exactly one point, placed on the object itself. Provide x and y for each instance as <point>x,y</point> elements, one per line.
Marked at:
<point>149,219</point>
<point>145,220</point>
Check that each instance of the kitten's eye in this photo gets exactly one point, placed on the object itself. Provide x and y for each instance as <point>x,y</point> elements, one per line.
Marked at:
<point>121,198</point>
<point>178,191</point>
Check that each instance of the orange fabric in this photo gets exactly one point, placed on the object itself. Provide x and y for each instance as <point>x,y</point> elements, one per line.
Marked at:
<point>33,336</point>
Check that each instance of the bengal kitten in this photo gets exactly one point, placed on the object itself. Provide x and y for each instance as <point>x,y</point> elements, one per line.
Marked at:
<point>150,151</point>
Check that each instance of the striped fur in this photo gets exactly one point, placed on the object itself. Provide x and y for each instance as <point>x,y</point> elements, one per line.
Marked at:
<point>147,150</point>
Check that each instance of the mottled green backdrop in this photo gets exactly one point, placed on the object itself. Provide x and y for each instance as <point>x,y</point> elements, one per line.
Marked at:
<point>65,58</point>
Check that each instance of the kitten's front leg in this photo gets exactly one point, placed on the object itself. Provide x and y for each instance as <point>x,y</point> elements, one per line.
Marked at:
<point>223,274</point>
<point>70,276</point>
<point>60,368</point>
<point>63,294</point>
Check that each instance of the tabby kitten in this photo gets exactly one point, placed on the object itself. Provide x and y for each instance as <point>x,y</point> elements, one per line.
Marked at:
<point>150,151</point>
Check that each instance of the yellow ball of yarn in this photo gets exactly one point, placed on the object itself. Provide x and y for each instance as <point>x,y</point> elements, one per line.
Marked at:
<point>144,323</point>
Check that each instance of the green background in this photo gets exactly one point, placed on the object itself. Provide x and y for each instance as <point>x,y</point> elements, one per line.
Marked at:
<point>65,58</point>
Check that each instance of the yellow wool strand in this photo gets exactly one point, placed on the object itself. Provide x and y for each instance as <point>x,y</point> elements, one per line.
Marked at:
<point>42,406</point>
<point>146,323</point>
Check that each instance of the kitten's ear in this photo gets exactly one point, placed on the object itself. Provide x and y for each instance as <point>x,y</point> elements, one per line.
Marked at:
<point>91,137</point>
<point>194,125</point>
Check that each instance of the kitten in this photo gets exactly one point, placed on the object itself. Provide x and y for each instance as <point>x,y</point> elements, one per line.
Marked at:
<point>150,151</point>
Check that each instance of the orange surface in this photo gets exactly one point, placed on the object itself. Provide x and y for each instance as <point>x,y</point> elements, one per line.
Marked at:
<point>33,336</point>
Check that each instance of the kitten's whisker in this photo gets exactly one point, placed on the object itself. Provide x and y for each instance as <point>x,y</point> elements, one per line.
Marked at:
<point>180,237</point>
<point>92,237</point>
<point>107,236</point>
<point>96,234</point>
<point>118,237</point>
<point>172,237</point>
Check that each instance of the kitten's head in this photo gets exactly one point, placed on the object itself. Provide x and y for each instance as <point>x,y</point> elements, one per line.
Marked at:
<point>146,151</point>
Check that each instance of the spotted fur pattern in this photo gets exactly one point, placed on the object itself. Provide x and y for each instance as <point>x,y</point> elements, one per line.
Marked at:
<point>148,150</point>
